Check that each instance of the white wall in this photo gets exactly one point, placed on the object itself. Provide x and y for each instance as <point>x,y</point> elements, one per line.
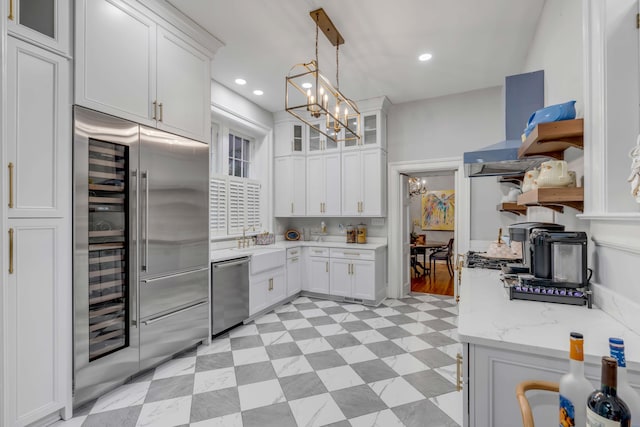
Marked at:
<point>447,127</point>
<point>557,48</point>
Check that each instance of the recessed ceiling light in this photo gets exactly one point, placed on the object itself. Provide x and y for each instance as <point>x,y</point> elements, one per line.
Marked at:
<point>258,92</point>
<point>241,82</point>
<point>307,85</point>
<point>425,57</point>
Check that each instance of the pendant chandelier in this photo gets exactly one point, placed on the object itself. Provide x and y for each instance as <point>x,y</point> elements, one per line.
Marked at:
<point>312,98</point>
<point>417,186</point>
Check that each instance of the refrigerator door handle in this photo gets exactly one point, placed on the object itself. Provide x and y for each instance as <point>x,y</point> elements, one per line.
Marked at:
<point>184,273</point>
<point>145,254</point>
<point>136,304</point>
<point>159,318</point>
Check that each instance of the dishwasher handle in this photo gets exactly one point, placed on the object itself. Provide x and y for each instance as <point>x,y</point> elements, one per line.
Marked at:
<point>232,263</point>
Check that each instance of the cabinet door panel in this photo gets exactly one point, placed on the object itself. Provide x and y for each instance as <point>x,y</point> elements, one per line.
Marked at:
<point>373,183</point>
<point>38,130</point>
<point>340,283</point>
<point>282,174</point>
<point>258,298</point>
<point>364,278</point>
<point>278,290</point>
<point>184,87</point>
<point>351,183</point>
<point>299,186</point>
<point>315,184</point>
<point>44,22</point>
<point>318,277</point>
<point>115,60</point>
<point>332,185</point>
<point>294,276</point>
<point>37,315</point>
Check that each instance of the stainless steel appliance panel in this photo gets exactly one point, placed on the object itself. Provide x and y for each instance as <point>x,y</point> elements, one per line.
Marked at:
<point>163,336</point>
<point>174,205</point>
<point>229,293</point>
<point>166,294</point>
<point>110,366</point>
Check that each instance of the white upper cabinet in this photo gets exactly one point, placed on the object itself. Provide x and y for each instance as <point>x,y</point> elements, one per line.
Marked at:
<point>45,23</point>
<point>323,185</point>
<point>364,183</point>
<point>317,142</point>
<point>129,66</point>
<point>290,137</point>
<point>289,186</point>
<point>184,87</point>
<point>38,131</point>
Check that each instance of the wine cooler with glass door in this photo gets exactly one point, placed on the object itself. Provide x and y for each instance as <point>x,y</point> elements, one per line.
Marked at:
<point>140,249</point>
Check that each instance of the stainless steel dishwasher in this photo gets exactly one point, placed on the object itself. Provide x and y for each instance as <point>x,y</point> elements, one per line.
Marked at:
<point>229,293</point>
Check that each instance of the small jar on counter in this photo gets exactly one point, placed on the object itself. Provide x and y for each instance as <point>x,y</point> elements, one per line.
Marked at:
<point>362,233</point>
<point>351,234</point>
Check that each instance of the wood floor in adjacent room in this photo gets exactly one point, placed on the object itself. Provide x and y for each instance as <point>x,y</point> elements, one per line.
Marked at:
<point>442,284</point>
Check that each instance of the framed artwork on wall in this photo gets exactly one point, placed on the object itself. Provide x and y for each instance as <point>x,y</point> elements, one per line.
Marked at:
<point>438,210</point>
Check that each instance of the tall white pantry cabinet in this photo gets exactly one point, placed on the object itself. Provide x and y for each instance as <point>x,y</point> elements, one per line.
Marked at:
<point>36,215</point>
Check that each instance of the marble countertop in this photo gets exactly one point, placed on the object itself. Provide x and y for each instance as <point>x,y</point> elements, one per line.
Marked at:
<point>225,254</point>
<point>488,317</point>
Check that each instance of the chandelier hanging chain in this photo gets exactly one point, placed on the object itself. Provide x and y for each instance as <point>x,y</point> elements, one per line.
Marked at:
<point>337,68</point>
<point>317,25</point>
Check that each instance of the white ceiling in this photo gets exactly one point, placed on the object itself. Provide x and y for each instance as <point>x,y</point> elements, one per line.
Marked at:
<point>474,43</point>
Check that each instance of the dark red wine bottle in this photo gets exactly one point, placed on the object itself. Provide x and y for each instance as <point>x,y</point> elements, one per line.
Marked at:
<point>604,407</point>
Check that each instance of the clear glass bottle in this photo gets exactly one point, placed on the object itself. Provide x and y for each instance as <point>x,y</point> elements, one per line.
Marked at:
<point>574,387</point>
<point>604,407</point>
<point>625,392</point>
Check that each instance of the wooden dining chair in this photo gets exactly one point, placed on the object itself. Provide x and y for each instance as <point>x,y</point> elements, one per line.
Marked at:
<point>525,408</point>
<point>443,254</point>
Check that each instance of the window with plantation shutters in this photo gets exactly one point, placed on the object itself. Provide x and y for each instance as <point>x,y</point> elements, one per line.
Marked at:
<point>218,206</point>
<point>235,205</point>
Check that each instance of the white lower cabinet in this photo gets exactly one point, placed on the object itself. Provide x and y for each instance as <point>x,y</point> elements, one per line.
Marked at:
<point>317,270</point>
<point>353,277</point>
<point>493,374</point>
<point>38,314</point>
<point>294,271</point>
<point>266,289</point>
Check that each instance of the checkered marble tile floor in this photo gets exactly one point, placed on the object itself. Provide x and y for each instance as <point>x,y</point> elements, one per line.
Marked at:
<point>308,363</point>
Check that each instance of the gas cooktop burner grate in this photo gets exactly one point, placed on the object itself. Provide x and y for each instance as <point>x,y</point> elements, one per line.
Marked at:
<point>476,260</point>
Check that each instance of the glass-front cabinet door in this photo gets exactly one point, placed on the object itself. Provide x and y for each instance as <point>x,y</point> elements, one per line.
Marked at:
<point>43,22</point>
<point>316,139</point>
<point>370,129</point>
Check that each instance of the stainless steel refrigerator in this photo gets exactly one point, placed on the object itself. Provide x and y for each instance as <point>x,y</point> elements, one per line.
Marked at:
<point>141,261</point>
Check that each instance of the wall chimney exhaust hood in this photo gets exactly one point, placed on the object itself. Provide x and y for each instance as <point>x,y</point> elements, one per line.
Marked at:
<point>524,94</point>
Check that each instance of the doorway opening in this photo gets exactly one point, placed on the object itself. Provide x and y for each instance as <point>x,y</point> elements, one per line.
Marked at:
<point>402,219</point>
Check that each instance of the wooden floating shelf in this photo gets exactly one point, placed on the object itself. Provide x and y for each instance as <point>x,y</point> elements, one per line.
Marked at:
<point>554,198</point>
<point>553,138</point>
<point>513,208</point>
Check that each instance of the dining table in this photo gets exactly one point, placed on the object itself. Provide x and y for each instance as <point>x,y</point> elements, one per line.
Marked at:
<point>429,245</point>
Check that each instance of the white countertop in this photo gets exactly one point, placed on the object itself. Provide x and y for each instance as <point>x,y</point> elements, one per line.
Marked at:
<point>225,254</point>
<point>488,317</point>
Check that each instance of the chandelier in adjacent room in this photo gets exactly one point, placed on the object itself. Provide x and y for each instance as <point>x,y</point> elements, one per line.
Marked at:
<point>312,98</point>
<point>417,186</point>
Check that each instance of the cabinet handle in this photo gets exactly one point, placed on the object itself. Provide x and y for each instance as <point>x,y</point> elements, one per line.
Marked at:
<point>11,17</point>
<point>10,185</point>
<point>326,266</point>
<point>161,111</point>
<point>458,372</point>
<point>291,207</point>
<point>11,251</point>
<point>352,253</point>
<point>270,284</point>
<point>155,108</point>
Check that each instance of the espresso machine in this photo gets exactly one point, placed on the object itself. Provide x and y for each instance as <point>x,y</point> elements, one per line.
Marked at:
<point>520,232</point>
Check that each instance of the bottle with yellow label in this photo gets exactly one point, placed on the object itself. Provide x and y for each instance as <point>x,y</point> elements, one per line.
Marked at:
<point>574,387</point>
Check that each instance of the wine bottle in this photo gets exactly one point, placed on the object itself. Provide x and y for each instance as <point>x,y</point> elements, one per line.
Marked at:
<point>625,392</point>
<point>574,387</point>
<point>604,407</point>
